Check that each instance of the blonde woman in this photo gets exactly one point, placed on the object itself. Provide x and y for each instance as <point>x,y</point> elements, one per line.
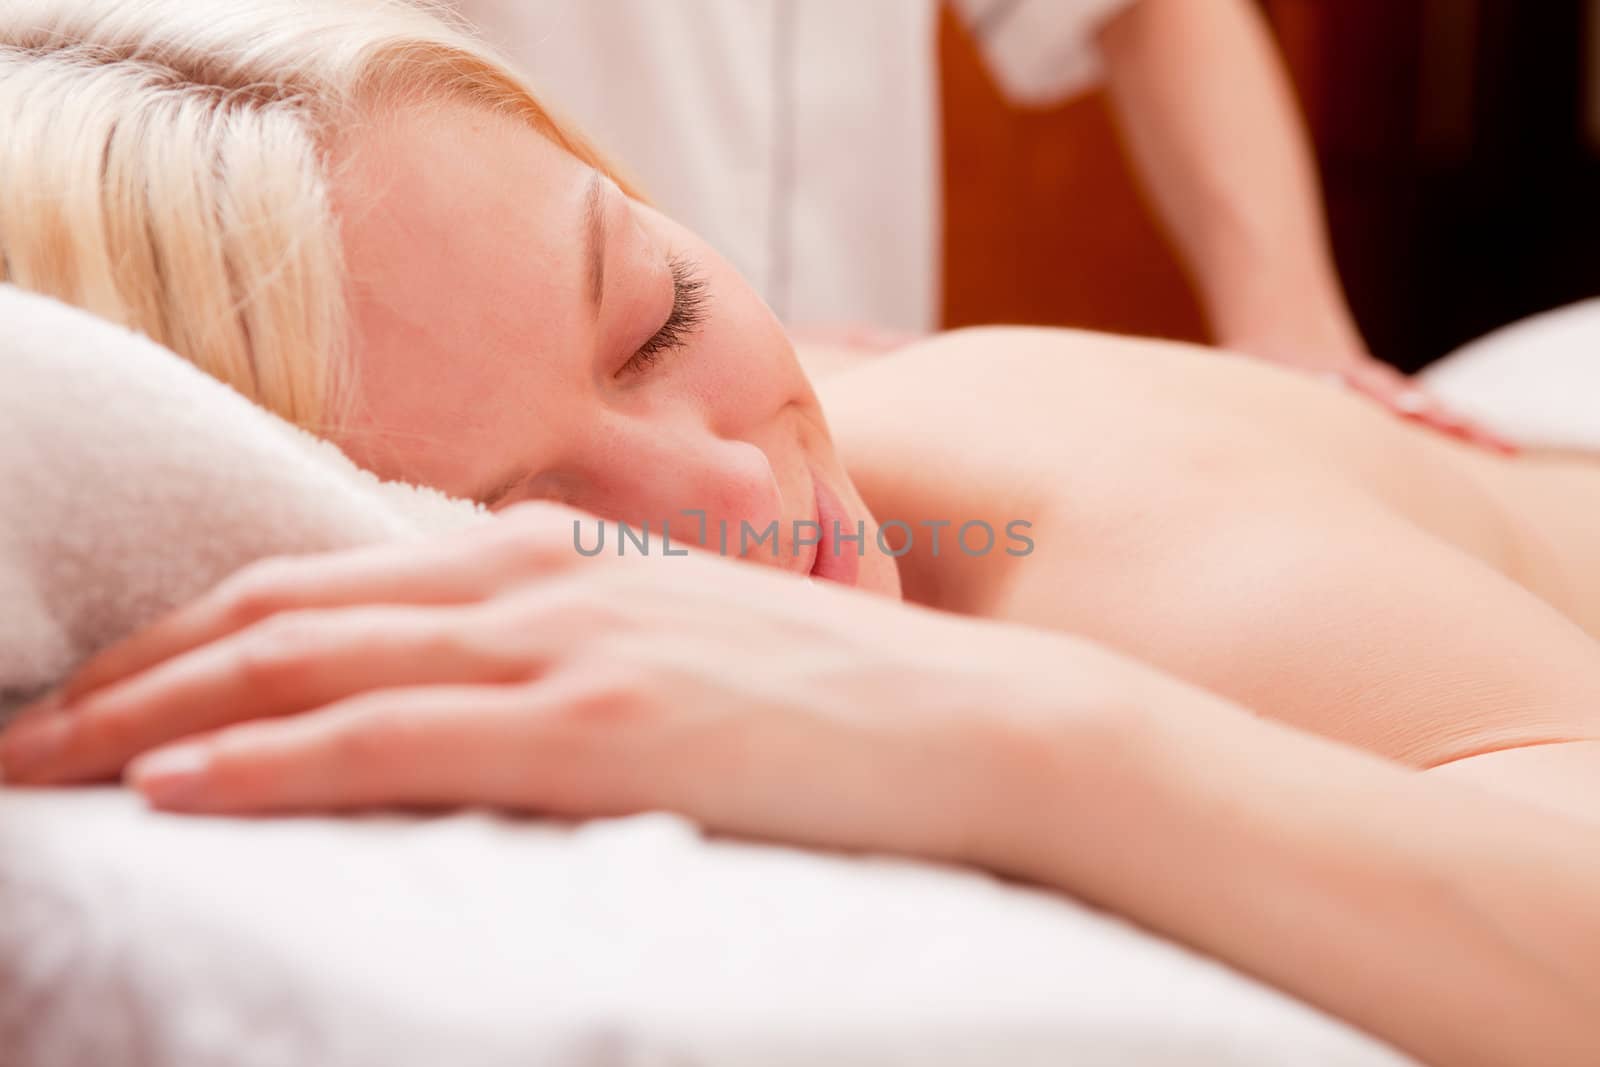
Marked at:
<point>354,215</point>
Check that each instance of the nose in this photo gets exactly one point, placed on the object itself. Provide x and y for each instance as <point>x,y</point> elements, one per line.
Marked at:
<point>716,492</point>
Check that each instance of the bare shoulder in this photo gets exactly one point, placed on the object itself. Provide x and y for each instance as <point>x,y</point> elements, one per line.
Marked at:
<point>1109,418</point>
<point>1091,386</point>
<point>1022,389</point>
<point>1118,453</point>
<point>1015,363</point>
<point>1106,433</point>
<point>1238,526</point>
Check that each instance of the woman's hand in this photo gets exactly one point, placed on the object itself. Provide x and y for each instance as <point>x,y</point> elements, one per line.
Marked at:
<point>500,667</point>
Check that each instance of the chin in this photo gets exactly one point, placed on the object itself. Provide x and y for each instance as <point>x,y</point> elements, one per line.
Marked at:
<point>878,572</point>
<point>864,567</point>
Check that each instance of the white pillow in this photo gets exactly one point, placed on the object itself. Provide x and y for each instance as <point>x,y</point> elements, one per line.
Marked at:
<point>1536,381</point>
<point>130,482</point>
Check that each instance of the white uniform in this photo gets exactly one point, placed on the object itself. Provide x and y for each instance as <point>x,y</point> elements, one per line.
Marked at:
<point>799,137</point>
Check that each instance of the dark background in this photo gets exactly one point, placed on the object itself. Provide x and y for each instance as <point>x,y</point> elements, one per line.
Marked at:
<point>1458,154</point>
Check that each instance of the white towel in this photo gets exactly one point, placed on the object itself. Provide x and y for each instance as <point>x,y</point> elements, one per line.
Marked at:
<point>1536,381</point>
<point>130,482</point>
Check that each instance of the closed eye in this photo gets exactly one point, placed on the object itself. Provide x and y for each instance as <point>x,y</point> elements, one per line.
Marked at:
<point>689,298</point>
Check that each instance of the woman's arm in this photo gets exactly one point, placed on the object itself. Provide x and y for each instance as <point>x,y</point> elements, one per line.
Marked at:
<point>1460,926</point>
<point>499,667</point>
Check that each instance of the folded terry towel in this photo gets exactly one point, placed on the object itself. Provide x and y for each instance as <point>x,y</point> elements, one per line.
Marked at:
<point>130,482</point>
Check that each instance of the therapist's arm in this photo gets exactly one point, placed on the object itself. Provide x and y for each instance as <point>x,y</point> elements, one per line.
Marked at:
<point>1208,114</point>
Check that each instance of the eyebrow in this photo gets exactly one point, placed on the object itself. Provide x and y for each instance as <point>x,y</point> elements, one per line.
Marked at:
<point>595,214</point>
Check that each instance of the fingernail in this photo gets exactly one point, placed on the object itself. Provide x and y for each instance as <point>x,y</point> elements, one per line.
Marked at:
<point>28,746</point>
<point>1412,401</point>
<point>172,777</point>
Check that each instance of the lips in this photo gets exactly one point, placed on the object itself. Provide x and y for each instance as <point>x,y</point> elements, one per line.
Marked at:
<point>834,562</point>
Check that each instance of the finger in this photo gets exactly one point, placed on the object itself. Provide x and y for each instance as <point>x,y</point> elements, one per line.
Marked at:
<point>1495,441</point>
<point>1442,418</point>
<point>1411,401</point>
<point>1396,392</point>
<point>423,747</point>
<point>1472,431</point>
<point>390,573</point>
<point>450,570</point>
<point>39,709</point>
<point>284,665</point>
<point>1414,403</point>
<point>1382,378</point>
<point>1383,385</point>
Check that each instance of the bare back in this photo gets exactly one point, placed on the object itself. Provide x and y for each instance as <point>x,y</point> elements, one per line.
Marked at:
<point>1277,540</point>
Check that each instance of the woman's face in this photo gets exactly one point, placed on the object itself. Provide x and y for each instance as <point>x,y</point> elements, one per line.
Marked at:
<point>524,330</point>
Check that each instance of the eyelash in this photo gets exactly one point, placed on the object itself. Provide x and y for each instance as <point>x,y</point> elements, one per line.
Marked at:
<point>689,297</point>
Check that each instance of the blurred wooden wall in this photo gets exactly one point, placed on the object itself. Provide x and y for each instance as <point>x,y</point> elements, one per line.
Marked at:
<point>1044,223</point>
<point>1460,172</point>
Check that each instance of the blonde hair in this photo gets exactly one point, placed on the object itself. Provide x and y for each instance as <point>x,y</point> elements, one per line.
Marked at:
<point>163,165</point>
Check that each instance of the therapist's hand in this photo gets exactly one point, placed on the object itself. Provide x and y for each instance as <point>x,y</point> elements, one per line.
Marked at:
<point>1353,368</point>
<point>500,667</point>
<point>1380,382</point>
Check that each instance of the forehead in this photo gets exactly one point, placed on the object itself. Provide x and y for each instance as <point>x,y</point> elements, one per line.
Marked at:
<point>460,231</point>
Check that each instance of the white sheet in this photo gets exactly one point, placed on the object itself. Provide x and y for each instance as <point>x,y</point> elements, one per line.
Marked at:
<point>473,941</point>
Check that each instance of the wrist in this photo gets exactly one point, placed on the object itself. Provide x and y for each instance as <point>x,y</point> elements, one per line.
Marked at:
<point>1057,738</point>
<point>1295,335</point>
<point>1309,350</point>
<point>1290,311</point>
